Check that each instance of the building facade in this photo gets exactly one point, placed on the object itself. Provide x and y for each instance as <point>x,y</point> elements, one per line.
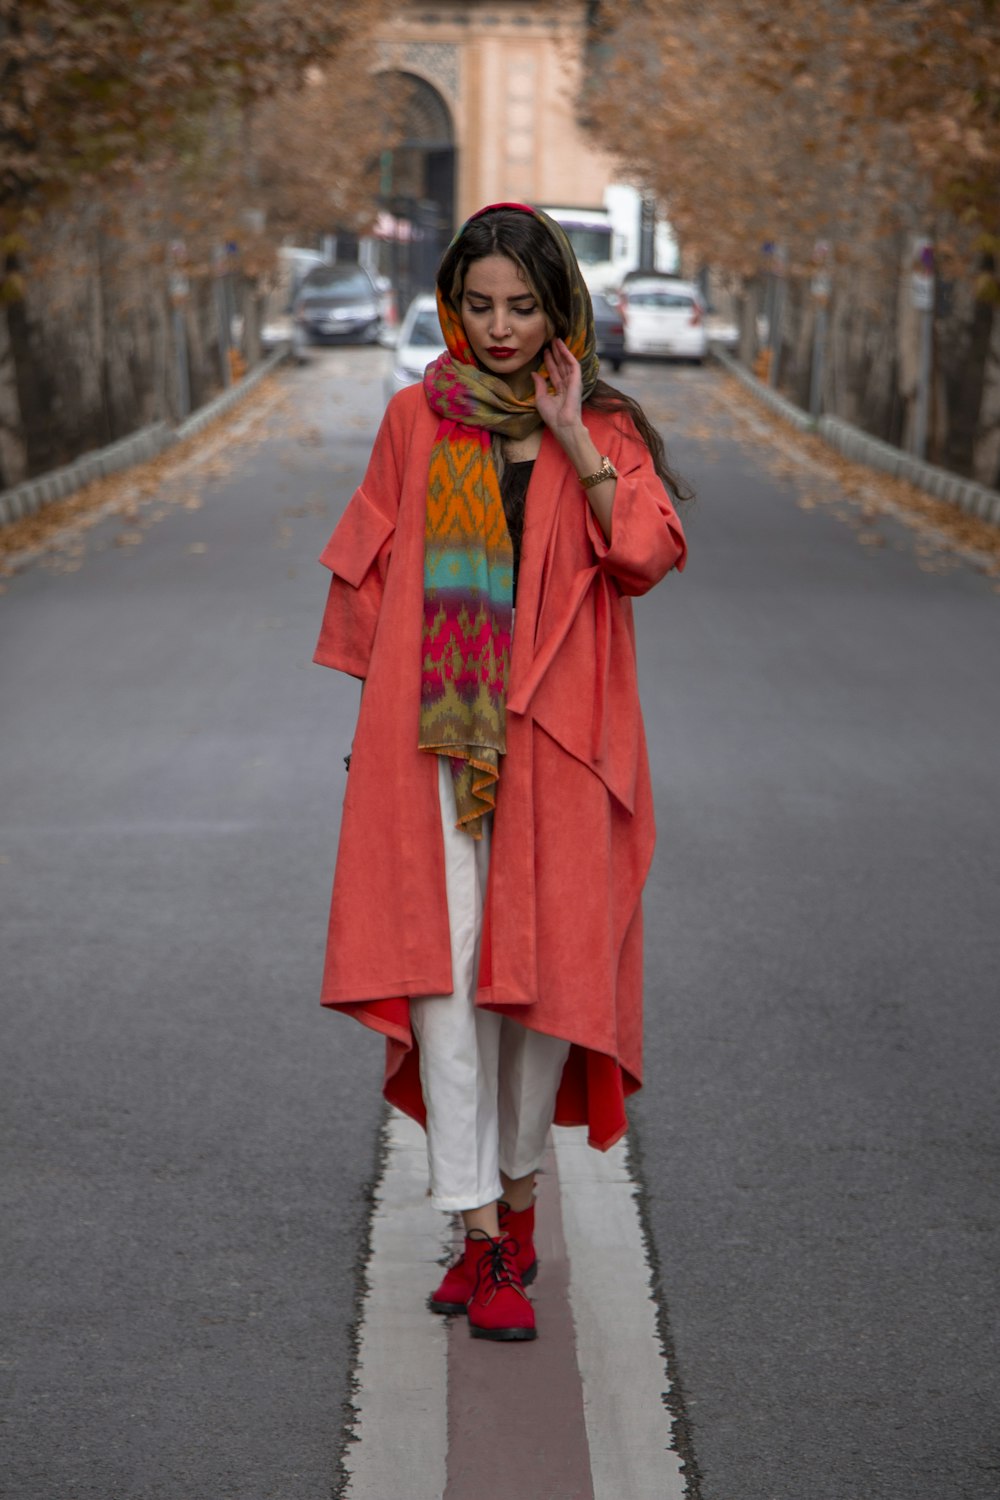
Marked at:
<point>488,90</point>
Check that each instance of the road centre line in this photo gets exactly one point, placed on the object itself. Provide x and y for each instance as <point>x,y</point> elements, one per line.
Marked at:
<point>617,1343</point>
<point>401,1380</point>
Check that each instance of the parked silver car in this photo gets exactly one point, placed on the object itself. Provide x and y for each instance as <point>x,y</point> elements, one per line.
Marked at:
<point>338,304</point>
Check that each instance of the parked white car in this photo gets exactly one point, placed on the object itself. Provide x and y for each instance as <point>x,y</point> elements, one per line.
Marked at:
<point>663,316</point>
<point>418,342</point>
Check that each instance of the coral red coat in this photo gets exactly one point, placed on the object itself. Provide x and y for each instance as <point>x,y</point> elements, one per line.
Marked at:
<point>573,829</point>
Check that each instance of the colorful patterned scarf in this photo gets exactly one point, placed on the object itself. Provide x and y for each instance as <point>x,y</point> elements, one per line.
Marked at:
<point>468,560</point>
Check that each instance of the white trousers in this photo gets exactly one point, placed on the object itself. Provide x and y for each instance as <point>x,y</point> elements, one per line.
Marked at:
<point>489,1083</point>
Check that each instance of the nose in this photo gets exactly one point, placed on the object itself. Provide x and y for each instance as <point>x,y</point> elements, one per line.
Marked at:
<point>499,324</point>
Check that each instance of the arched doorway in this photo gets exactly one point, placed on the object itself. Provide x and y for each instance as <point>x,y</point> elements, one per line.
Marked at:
<point>417,188</point>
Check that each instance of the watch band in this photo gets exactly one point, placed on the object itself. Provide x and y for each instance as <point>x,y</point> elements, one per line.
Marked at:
<point>606,471</point>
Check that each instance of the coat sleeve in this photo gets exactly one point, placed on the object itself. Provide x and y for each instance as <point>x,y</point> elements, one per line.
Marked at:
<point>646,535</point>
<point>357,555</point>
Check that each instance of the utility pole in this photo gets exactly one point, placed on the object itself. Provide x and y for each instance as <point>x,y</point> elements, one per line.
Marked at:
<point>179,291</point>
<point>922,298</point>
<point>647,233</point>
<point>820,289</point>
<point>779,262</point>
<point>222,312</point>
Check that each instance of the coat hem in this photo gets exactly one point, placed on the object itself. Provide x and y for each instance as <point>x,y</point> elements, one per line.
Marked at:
<point>409,989</point>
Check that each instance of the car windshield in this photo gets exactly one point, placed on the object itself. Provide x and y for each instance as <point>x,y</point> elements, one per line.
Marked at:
<point>426,330</point>
<point>591,246</point>
<point>337,281</point>
<point>660,299</point>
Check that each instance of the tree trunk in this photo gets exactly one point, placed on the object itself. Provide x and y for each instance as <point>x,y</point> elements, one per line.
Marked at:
<point>749,311</point>
<point>986,452</point>
<point>13,449</point>
<point>251,304</point>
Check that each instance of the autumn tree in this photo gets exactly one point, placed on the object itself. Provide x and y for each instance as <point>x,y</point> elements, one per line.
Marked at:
<point>132,127</point>
<point>851,127</point>
<point>89,92</point>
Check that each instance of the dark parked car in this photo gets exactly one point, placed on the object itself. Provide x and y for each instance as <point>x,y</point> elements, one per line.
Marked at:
<point>339,304</point>
<point>609,329</point>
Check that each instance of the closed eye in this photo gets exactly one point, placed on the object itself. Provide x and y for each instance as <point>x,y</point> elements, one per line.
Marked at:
<point>484,307</point>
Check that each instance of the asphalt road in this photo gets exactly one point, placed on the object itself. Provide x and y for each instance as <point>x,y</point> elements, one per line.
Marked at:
<point>820,1137</point>
<point>189,1140</point>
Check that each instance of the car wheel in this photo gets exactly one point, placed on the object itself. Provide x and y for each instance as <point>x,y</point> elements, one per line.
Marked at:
<point>616,365</point>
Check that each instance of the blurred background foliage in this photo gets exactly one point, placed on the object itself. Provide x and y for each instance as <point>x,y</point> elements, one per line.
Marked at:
<point>821,140</point>
<point>148,149</point>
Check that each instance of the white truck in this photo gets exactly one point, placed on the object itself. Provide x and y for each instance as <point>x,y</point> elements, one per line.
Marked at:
<point>606,240</point>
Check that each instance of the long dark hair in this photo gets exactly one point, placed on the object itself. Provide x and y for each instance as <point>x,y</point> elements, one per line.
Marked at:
<point>524,239</point>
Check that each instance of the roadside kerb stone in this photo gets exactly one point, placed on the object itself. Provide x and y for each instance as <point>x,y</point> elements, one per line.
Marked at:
<point>861,447</point>
<point>34,494</point>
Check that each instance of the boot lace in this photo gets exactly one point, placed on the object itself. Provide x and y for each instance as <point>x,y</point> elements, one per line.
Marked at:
<point>497,1266</point>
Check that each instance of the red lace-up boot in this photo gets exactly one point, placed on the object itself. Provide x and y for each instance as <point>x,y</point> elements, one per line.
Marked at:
<point>499,1307</point>
<point>459,1281</point>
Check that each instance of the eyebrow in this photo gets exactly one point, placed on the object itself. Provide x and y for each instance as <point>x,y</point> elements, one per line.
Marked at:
<point>484,296</point>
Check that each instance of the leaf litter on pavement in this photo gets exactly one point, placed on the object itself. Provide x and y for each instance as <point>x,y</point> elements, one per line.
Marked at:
<point>140,497</point>
<point>945,537</point>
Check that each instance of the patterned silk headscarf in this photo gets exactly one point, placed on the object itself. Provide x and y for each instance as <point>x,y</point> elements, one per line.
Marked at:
<point>468,560</point>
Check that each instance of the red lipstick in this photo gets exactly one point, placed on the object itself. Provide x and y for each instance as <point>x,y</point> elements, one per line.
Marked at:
<point>501,353</point>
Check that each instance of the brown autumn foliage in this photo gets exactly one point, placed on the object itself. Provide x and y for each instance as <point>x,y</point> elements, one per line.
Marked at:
<point>138,140</point>
<point>746,120</point>
<point>90,92</point>
<point>855,126</point>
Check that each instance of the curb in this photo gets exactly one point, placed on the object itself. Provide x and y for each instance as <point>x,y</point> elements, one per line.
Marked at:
<point>30,497</point>
<point>861,447</point>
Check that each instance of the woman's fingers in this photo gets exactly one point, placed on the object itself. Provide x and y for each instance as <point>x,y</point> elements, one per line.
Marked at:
<point>560,363</point>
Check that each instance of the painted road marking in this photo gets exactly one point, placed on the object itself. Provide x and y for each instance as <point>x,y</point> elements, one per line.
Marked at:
<point>617,1344</point>
<point>401,1398</point>
<point>440,1416</point>
<point>515,1412</point>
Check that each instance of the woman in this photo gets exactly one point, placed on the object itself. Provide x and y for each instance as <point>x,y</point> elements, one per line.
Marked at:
<point>498,821</point>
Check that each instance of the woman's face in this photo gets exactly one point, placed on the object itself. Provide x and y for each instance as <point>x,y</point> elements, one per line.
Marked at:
<point>503,321</point>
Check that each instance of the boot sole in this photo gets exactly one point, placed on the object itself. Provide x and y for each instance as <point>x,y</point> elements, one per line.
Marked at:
<point>504,1335</point>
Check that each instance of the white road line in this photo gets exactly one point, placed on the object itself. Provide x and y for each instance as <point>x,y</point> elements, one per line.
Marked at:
<point>402,1374</point>
<point>623,1370</point>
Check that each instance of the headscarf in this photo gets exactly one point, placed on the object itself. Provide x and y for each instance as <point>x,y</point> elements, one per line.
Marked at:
<point>468,559</point>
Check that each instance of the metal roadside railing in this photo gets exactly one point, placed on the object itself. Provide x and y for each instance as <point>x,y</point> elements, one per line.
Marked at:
<point>860,447</point>
<point>33,495</point>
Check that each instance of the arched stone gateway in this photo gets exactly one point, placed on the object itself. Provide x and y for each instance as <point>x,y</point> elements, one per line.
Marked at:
<point>489,116</point>
<point>417,184</point>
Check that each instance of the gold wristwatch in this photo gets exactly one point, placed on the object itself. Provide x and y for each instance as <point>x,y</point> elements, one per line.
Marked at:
<point>606,471</point>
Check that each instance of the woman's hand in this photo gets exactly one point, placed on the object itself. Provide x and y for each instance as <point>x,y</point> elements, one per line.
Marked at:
<point>559,408</point>
<point>561,411</point>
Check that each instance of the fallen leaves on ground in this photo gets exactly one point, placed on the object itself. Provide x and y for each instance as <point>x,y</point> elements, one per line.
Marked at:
<point>58,530</point>
<point>825,479</point>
